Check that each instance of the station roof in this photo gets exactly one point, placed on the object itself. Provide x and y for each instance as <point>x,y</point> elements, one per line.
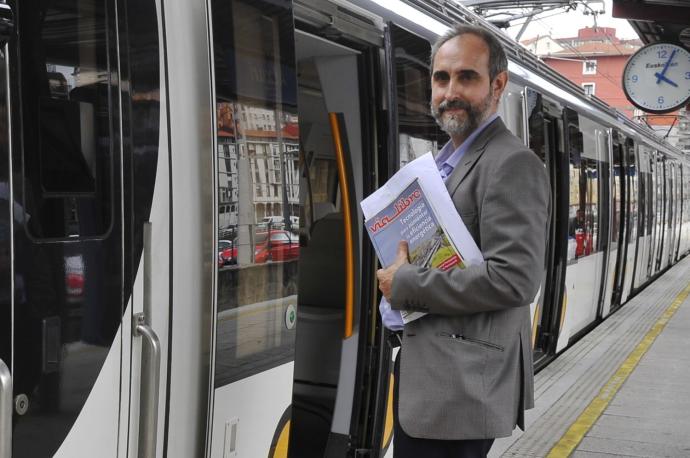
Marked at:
<point>657,20</point>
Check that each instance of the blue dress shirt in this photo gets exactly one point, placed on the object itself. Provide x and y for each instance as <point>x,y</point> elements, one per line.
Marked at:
<point>446,161</point>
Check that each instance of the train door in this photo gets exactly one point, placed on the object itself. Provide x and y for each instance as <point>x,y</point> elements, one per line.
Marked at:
<point>77,187</point>
<point>652,187</point>
<point>6,229</point>
<point>673,216</point>
<point>669,215</point>
<point>640,272</point>
<point>619,214</point>
<point>588,225</point>
<point>681,211</point>
<point>614,221</point>
<point>660,209</point>
<point>632,215</point>
<point>256,224</point>
<point>295,335</point>
<point>546,139</point>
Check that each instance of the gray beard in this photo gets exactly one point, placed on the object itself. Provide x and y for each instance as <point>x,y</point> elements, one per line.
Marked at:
<point>455,126</point>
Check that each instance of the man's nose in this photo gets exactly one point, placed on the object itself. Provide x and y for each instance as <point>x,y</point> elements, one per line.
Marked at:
<point>453,90</point>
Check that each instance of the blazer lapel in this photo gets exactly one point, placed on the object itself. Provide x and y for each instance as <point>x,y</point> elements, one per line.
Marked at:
<point>472,155</point>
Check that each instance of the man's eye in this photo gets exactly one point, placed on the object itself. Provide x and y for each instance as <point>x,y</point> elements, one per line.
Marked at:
<point>440,77</point>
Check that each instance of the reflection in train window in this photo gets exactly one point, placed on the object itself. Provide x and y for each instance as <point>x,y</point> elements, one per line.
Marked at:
<point>418,132</point>
<point>66,104</point>
<point>258,187</point>
<point>510,109</point>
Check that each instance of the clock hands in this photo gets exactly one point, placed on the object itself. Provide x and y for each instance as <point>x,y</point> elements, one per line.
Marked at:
<point>660,76</point>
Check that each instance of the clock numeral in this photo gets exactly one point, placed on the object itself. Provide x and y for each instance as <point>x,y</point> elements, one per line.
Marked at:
<point>687,75</point>
<point>634,78</point>
<point>660,100</point>
<point>663,54</point>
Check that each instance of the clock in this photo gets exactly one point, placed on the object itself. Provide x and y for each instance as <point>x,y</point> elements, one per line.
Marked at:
<point>656,78</point>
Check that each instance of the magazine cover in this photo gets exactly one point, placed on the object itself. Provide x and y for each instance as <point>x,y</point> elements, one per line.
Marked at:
<point>411,217</point>
<point>414,205</point>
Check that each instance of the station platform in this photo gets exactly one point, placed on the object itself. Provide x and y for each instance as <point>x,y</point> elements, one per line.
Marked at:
<point>621,391</point>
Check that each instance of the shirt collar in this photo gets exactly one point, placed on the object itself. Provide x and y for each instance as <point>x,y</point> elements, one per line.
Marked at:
<point>451,156</point>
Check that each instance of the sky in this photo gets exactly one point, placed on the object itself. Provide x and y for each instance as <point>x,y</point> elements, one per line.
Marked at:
<point>560,24</point>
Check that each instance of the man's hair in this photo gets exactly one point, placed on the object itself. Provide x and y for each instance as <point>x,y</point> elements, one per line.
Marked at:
<point>497,57</point>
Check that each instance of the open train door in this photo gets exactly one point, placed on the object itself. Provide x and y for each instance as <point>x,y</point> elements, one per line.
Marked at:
<point>76,179</point>
<point>545,122</point>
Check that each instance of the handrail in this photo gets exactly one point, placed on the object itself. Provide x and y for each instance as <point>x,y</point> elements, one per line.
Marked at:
<point>150,380</point>
<point>347,224</point>
<point>5,411</point>
<point>150,357</point>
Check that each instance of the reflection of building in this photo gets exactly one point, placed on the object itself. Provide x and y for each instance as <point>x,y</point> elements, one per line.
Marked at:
<point>272,152</point>
<point>227,184</point>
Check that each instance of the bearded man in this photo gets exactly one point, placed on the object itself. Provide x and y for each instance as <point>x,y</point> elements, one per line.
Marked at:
<point>464,371</point>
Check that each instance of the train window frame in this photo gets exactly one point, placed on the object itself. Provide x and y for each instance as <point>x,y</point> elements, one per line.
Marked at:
<point>256,125</point>
<point>404,50</point>
<point>46,203</point>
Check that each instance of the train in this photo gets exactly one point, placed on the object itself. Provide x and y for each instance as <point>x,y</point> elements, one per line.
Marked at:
<point>184,270</point>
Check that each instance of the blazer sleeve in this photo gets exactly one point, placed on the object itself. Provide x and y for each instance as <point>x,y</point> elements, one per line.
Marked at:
<point>513,231</point>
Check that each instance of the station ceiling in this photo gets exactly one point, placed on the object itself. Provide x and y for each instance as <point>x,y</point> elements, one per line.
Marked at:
<point>657,20</point>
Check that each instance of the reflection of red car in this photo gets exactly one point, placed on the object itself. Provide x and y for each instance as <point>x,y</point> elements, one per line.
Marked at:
<point>227,253</point>
<point>280,246</point>
<point>74,278</point>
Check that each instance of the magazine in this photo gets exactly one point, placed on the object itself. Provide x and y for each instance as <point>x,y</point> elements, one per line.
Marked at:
<point>412,218</point>
<point>402,209</point>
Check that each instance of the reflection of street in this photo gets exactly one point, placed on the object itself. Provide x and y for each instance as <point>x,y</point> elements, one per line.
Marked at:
<point>253,338</point>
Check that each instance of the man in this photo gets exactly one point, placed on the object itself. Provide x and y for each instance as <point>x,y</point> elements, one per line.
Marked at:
<point>465,369</point>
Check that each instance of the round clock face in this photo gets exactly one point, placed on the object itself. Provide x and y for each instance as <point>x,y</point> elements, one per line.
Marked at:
<point>656,78</point>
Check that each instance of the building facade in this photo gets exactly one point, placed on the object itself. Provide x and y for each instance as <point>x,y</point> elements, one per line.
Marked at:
<point>595,60</point>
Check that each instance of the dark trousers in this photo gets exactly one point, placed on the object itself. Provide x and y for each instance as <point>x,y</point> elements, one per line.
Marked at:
<point>405,446</point>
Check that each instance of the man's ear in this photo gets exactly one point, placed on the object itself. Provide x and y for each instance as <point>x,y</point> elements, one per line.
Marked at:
<point>499,84</point>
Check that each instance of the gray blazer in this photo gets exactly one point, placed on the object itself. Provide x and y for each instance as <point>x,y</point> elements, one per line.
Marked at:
<point>466,368</point>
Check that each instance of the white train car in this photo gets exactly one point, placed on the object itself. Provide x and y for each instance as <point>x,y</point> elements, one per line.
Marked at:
<point>184,271</point>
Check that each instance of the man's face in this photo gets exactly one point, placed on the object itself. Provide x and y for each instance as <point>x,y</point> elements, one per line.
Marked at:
<point>461,90</point>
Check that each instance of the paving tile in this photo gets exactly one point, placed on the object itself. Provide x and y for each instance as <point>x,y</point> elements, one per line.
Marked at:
<point>632,448</point>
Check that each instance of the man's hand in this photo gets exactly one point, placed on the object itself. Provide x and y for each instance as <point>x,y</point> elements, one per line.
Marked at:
<point>385,276</point>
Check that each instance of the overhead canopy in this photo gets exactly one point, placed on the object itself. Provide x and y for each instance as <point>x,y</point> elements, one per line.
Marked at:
<point>657,20</point>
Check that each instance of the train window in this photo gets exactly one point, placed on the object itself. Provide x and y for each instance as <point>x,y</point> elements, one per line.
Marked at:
<point>417,130</point>
<point>511,111</point>
<point>535,121</point>
<point>258,187</point>
<point>632,177</point>
<point>66,107</point>
<point>588,206</point>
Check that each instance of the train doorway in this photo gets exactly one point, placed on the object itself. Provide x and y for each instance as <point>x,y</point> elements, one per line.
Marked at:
<point>546,139</point>
<point>332,335</point>
<point>293,291</point>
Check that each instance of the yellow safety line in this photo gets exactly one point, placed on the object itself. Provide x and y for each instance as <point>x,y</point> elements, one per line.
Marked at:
<point>570,440</point>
